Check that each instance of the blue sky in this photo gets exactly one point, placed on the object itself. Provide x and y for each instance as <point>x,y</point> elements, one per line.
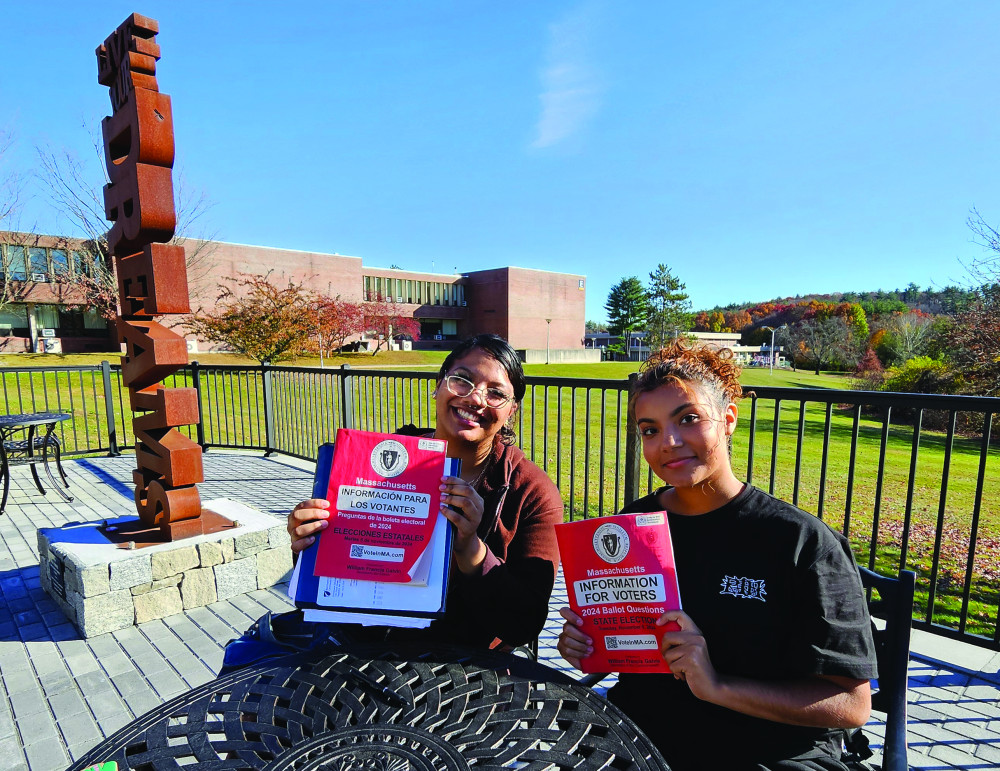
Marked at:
<point>758,149</point>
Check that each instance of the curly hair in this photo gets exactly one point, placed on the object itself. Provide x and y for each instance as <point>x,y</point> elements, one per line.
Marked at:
<point>708,366</point>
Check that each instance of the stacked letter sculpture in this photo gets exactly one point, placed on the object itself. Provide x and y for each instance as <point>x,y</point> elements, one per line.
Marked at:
<point>139,201</point>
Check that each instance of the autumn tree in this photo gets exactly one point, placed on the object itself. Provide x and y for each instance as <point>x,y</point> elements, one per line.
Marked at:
<point>11,184</point>
<point>386,319</point>
<point>258,318</point>
<point>819,341</point>
<point>669,307</point>
<point>14,282</point>
<point>903,336</point>
<point>628,309</point>
<point>336,320</point>
<point>869,373</point>
<point>974,337</point>
<point>737,321</point>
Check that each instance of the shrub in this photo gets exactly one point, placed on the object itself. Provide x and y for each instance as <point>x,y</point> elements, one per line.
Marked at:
<point>923,375</point>
<point>869,374</point>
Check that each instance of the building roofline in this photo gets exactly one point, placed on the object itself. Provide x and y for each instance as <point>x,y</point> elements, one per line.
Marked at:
<point>535,270</point>
<point>272,248</point>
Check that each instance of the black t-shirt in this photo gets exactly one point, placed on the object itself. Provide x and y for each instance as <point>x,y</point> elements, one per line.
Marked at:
<point>777,595</point>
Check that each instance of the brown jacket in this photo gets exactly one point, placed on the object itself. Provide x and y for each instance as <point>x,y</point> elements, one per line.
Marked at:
<point>509,600</point>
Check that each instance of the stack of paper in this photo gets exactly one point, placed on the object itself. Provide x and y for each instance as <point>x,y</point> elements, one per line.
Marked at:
<point>384,557</point>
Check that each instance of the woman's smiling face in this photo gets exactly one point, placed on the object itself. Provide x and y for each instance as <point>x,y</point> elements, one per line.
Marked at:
<point>468,418</point>
<point>684,436</point>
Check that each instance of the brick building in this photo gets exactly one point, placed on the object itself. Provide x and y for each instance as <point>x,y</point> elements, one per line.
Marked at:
<point>533,309</point>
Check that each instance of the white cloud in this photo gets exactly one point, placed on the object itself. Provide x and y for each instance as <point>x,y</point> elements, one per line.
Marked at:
<point>571,91</point>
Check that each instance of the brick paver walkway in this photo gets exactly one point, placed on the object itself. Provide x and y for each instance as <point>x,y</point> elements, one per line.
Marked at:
<point>61,694</point>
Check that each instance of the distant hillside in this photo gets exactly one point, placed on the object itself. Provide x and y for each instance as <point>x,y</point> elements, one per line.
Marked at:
<point>947,301</point>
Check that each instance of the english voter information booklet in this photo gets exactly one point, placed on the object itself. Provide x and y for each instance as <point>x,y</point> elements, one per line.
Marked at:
<point>388,603</point>
<point>620,578</point>
<point>385,499</point>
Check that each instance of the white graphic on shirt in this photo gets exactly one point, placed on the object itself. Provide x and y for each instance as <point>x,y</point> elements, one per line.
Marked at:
<point>747,588</point>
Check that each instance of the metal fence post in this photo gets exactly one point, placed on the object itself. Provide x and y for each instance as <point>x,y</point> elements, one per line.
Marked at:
<point>633,450</point>
<point>346,398</point>
<point>109,411</point>
<point>200,426</point>
<point>269,447</point>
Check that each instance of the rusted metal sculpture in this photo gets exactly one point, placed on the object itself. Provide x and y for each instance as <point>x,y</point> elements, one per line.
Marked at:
<point>152,279</point>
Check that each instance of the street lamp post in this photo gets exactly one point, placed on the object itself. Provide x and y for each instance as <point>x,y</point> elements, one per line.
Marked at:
<point>548,326</point>
<point>771,357</point>
<point>319,331</point>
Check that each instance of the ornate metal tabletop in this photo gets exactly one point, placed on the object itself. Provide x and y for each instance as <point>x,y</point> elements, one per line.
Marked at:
<point>386,709</point>
<point>32,419</point>
<point>15,452</point>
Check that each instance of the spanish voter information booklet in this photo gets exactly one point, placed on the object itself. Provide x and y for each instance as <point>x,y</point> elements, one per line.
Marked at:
<point>385,499</point>
<point>350,601</point>
<point>388,603</point>
<point>620,578</point>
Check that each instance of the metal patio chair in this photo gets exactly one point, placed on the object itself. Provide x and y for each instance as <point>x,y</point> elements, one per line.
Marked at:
<point>894,605</point>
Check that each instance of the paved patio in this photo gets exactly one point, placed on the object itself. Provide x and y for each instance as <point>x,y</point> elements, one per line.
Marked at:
<point>61,694</point>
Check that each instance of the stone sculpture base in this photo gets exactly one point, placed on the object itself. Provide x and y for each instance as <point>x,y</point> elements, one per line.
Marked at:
<point>102,587</point>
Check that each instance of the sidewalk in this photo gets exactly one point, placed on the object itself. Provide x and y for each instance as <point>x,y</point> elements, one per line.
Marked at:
<point>61,694</point>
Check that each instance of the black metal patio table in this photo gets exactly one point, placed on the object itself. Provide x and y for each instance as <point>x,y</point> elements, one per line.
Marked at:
<point>19,451</point>
<point>385,708</point>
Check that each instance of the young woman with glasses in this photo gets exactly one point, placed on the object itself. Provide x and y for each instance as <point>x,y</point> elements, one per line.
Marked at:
<point>503,506</point>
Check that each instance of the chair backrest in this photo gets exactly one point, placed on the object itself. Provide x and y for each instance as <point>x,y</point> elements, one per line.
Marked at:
<point>894,605</point>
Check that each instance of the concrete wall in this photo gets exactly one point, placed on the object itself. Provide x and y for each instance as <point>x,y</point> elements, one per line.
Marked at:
<point>560,356</point>
<point>515,303</point>
<point>331,274</point>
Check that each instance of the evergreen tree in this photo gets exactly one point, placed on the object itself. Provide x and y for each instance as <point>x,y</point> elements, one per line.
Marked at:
<point>670,308</point>
<point>628,309</point>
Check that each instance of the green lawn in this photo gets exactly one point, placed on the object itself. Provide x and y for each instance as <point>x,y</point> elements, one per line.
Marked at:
<point>620,370</point>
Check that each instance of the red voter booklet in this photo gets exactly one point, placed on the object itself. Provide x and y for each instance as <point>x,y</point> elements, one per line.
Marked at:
<point>620,578</point>
<point>383,490</point>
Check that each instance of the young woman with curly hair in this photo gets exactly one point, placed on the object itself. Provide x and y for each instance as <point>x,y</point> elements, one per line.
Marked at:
<point>774,652</point>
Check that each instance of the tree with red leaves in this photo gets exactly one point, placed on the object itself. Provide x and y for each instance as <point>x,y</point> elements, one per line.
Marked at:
<point>385,319</point>
<point>974,338</point>
<point>869,374</point>
<point>258,318</point>
<point>337,320</point>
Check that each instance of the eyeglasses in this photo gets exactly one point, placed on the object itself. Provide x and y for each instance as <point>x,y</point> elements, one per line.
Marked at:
<point>494,397</point>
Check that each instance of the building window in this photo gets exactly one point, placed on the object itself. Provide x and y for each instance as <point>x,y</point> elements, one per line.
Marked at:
<point>14,321</point>
<point>13,262</point>
<point>60,262</point>
<point>74,322</point>
<point>38,264</point>
<point>16,257</point>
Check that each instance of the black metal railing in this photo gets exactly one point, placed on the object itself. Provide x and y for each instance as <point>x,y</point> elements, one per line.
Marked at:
<point>911,480</point>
